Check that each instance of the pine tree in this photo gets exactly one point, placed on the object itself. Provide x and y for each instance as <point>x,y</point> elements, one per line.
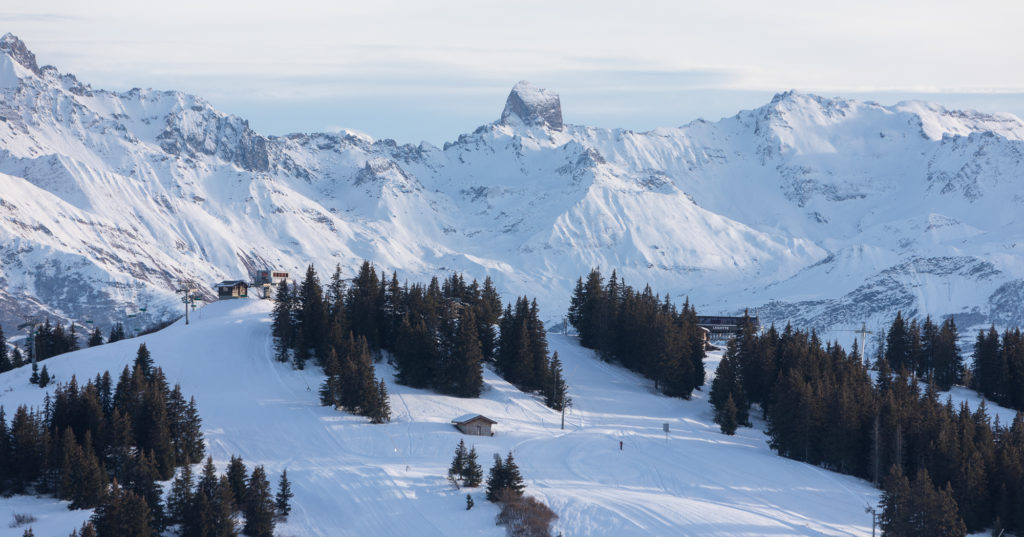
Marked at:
<point>897,343</point>
<point>122,513</point>
<point>472,474</point>
<point>488,309</point>
<point>729,384</point>
<point>141,478</point>
<point>5,359</point>
<point>381,409</point>
<point>466,379</point>
<point>180,499</point>
<point>469,502</point>
<point>894,519</point>
<point>282,326</point>
<point>191,431</point>
<point>988,369</point>
<point>5,450</point>
<point>330,388</point>
<point>496,479</point>
<point>237,478</point>
<point>87,530</point>
<point>153,428</point>
<point>144,362</point>
<point>259,505</point>
<point>726,417</point>
<point>312,321</point>
<point>556,393</point>
<point>224,508</point>
<point>95,338</point>
<point>949,364</point>
<point>458,467</point>
<point>513,479</point>
<point>116,333</point>
<point>44,377</point>
<point>364,303</point>
<point>284,496</point>
<point>34,378</point>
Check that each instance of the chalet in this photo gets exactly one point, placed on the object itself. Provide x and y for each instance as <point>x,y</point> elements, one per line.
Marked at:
<point>232,289</point>
<point>272,277</point>
<point>474,424</point>
<point>721,327</point>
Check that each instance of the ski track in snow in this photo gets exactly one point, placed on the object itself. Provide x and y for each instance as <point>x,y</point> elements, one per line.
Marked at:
<point>352,478</point>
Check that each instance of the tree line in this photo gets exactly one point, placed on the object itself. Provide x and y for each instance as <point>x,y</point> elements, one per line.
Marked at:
<point>48,340</point>
<point>207,507</point>
<point>641,331</point>
<point>998,369</point>
<point>928,350</point>
<point>85,438</point>
<point>438,335</point>
<point>936,462</point>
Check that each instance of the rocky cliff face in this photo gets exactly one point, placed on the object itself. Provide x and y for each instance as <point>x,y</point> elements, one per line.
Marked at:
<point>822,212</point>
<point>533,106</point>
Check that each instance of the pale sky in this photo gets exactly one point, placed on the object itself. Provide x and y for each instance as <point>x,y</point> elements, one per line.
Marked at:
<point>431,70</point>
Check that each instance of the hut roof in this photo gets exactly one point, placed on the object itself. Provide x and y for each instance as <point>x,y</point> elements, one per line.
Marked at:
<point>466,418</point>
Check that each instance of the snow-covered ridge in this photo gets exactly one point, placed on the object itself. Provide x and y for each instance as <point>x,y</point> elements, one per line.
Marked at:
<point>823,211</point>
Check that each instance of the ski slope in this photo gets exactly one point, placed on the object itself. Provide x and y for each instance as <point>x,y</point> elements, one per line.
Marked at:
<point>353,478</point>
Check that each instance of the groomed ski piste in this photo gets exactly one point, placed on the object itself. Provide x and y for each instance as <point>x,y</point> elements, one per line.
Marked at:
<point>351,478</point>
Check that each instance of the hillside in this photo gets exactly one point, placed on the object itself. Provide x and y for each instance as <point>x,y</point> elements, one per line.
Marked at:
<point>353,478</point>
<point>823,212</point>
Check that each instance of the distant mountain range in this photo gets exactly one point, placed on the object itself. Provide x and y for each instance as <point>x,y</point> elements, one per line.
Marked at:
<point>823,212</point>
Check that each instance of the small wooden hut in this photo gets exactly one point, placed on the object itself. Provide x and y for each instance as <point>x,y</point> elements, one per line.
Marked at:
<point>474,424</point>
<point>232,289</point>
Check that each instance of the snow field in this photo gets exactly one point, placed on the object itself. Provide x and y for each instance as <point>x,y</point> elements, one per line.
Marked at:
<point>354,478</point>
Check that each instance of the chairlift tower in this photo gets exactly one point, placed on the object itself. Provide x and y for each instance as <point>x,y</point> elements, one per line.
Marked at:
<point>187,291</point>
<point>863,338</point>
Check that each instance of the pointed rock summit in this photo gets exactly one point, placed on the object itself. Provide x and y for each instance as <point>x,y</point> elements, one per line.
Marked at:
<point>17,50</point>
<point>533,106</point>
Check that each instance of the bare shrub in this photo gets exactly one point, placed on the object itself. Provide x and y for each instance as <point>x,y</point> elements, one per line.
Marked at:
<point>524,516</point>
<point>20,519</point>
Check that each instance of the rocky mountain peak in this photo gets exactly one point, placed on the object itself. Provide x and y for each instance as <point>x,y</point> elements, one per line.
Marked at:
<point>16,49</point>
<point>533,106</point>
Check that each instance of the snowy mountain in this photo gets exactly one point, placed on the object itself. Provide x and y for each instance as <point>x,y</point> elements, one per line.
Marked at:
<point>822,212</point>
